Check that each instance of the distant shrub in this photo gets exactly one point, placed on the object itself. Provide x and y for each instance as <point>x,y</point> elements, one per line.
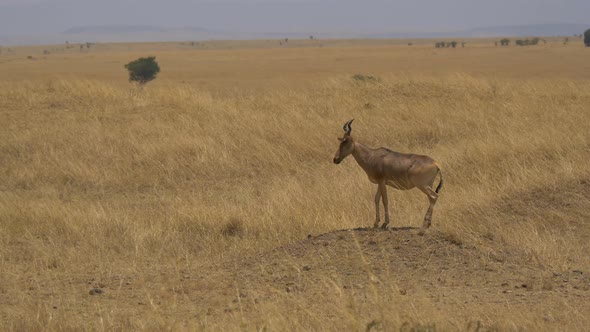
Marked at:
<point>505,42</point>
<point>443,44</point>
<point>527,42</point>
<point>143,70</point>
<point>452,44</point>
<point>365,78</point>
<point>587,38</point>
<point>233,227</point>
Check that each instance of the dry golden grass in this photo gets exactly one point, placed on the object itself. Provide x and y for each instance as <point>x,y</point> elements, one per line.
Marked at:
<point>169,198</point>
<point>263,64</point>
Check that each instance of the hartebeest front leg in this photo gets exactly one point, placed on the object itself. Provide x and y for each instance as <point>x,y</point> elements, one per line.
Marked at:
<point>383,190</point>
<point>377,198</point>
<point>432,197</point>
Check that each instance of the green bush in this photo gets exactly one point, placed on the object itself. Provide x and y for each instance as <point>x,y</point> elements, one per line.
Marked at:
<point>143,70</point>
<point>587,38</point>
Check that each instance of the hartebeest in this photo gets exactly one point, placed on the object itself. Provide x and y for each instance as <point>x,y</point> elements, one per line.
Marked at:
<point>389,168</point>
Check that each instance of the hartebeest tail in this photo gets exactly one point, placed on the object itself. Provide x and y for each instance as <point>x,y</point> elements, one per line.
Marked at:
<point>389,168</point>
<point>440,183</point>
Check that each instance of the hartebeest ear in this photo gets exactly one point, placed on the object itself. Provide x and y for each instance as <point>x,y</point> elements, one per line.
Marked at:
<point>341,139</point>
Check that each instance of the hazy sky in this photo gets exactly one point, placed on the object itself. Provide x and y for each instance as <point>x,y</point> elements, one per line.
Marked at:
<point>53,16</point>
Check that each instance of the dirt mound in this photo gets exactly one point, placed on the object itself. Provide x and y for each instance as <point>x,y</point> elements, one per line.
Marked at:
<point>408,263</point>
<point>407,255</point>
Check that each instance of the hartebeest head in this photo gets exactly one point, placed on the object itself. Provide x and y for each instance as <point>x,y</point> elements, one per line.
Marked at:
<point>346,144</point>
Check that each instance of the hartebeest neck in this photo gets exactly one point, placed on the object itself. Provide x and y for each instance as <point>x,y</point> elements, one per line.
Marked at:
<point>361,154</point>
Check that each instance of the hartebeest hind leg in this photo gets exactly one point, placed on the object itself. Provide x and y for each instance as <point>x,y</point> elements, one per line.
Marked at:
<point>383,190</point>
<point>432,197</point>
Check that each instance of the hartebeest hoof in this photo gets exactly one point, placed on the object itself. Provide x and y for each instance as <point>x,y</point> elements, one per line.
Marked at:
<point>384,226</point>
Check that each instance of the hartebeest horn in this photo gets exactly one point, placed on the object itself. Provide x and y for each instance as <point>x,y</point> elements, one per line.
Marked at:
<point>347,128</point>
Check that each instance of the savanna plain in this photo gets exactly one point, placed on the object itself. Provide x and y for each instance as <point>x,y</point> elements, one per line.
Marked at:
<point>208,200</point>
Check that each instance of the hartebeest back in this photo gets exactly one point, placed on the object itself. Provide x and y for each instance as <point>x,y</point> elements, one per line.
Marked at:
<point>389,168</point>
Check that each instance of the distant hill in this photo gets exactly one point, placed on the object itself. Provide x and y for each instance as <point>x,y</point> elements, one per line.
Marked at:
<point>141,33</point>
<point>530,30</point>
<point>154,33</point>
<point>546,30</point>
<point>149,33</point>
<point>113,29</point>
